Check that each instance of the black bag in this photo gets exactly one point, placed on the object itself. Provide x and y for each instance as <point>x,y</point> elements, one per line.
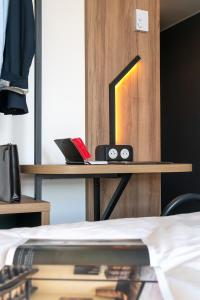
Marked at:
<point>10,188</point>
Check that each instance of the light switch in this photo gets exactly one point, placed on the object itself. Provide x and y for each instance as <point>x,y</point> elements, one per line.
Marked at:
<point>142,20</point>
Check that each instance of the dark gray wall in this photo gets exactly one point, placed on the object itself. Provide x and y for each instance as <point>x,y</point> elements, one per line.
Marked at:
<point>180,105</point>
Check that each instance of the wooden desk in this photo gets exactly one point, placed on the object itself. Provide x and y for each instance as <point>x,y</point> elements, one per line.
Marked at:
<point>98,171</point>
<point>105,169</point>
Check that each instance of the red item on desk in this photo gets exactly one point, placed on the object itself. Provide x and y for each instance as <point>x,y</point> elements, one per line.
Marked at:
<point>82,149</point>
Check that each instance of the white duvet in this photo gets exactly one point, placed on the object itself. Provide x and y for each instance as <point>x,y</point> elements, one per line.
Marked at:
<point>173,243</point>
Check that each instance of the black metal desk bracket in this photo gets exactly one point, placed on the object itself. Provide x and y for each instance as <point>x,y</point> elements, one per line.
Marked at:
<point>116,196</point>
<point>113,201</point>
<point>96,189</point>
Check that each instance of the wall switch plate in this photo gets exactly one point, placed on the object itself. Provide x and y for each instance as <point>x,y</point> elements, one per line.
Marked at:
<point>142,20</point>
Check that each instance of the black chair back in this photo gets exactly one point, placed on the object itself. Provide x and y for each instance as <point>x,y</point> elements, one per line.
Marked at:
<point>186,203</point>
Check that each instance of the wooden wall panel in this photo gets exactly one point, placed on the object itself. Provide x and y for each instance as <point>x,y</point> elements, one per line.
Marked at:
<point>111,43</point>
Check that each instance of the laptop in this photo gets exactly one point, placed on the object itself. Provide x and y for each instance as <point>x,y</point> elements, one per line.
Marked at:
<point>70,152</point>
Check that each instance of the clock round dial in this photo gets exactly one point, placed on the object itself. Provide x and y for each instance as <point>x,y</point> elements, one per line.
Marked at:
<point>124,153</point>
<point>113,153</point>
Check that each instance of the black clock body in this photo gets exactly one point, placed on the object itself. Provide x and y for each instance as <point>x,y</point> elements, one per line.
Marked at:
<point>114,153</point>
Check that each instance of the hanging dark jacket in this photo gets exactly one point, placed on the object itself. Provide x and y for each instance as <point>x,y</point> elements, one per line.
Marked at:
<point>18,54</point>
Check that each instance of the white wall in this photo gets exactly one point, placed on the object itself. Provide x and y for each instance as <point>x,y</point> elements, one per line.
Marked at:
<point>63,106</point>
<point>63,97</point>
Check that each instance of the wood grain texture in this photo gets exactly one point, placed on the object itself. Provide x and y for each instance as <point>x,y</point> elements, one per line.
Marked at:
<point>45,217</point>
<point>111,43</point>
<point>105,169</point>
<point>27,205</point>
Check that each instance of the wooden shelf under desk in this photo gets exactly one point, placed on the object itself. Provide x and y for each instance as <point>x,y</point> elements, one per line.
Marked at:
<point>105,169</point>
<point>27,205</point>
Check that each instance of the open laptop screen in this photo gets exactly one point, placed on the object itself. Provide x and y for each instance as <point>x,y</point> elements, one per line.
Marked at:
<point>69,151</point>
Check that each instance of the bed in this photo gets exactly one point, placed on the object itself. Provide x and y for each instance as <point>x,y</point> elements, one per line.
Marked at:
<point>173,244</point>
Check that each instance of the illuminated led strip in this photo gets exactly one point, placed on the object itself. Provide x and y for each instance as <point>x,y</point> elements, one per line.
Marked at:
<point>114,99</point>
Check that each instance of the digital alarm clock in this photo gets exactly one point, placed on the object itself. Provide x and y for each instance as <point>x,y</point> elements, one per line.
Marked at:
<point>114,153</point>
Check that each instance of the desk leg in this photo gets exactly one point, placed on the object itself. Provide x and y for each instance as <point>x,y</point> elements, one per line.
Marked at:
<point>116,196</point>
<point>96,185</point>
<point>38,187</point>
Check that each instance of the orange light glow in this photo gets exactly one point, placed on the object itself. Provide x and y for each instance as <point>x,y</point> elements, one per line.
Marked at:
<point>119,101</point>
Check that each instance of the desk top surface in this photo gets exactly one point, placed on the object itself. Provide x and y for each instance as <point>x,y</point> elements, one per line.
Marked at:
<point>138,168</point>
